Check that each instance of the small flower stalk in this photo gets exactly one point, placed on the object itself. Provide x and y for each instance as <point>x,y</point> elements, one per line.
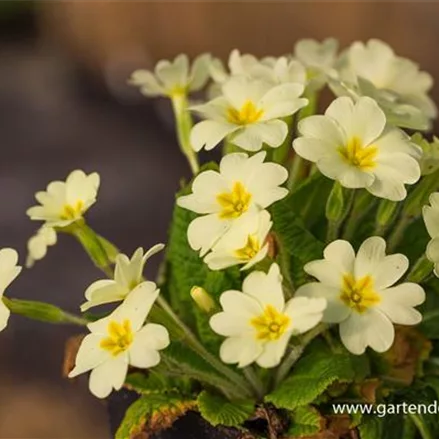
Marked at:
<point>300,269</point>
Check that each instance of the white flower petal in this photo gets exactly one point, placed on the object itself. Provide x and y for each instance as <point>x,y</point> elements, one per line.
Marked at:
<point>341,110</point>
<point>432,251</point>
<point>137,305</point>
<point>369,257</point>
<point>305,312</point>
<point>390,270</point>
<point>90,355</point>
<point>251,137</point>
<point>324,129</point>
<point>241,350</point>
<point>431,219</point>
<point>4,315</point>
<point>205,189</point>
<point>273,352</point>
<point>209,133</point>
<point>204,232</point>
<point>200,72</point>
<point>336,311</point>
<point>266,288</point>
<point>312,149</point>
<point>143,352</point>
<point>101,292</point>
<point>368,121</point>
<point>371,328</point>
<point>388,184</point>
<point>149,86</point>
<point>107,376</point>
<point>398,303</point>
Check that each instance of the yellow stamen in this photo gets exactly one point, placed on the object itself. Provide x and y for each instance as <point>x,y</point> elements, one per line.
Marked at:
<point>363,158</point>
<point>359,294</point>
<point>70,212</point>
<point>234,203</point>
<point>270,325</point>
<point>120,337</point>
<point>250,250</point>
<point>246,115</point>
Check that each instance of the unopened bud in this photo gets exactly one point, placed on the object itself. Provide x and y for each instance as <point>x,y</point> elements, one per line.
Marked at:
<point>202,299</point>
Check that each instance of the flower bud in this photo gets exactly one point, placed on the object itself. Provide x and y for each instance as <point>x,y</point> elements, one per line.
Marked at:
<point>202,299</point>
<point>335,206</point>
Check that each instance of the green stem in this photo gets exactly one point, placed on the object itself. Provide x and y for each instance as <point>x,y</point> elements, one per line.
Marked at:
<point>297,172</point>
<point>93,245</point>
<point>254,381</point>
<point>281,153</point>
<point>43,312</point>
<point>197,347</point>
<point>296,353</point>
<point>184,123</point>
<point>422,428</point>
<point>421,270</point>
<point>398,232</point>
<point>364,202</point>
<point>299,167</point>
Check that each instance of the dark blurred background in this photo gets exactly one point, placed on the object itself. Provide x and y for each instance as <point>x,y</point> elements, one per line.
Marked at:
<point>65,104</point>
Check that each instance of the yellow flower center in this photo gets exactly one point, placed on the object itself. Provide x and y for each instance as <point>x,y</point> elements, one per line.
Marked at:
<point>70,212</point>
<point>177,91</point>
<point>250,250</point>
<point>234,203</point>
<point>248,114</point>
<point>359,294</point>
<point>120,337</point>
<point>357,155</point>
<point>270,325</point>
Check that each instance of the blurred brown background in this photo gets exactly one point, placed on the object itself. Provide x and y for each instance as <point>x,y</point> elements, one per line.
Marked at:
<point>65,104</point>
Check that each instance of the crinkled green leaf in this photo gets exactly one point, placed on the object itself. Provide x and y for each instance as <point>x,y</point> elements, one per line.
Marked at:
<point>156,381</point>
<point>153,413</point>
<point>305,421</point>
<point>298,245</point>
<point>313,374</point>
<point>219,411</point>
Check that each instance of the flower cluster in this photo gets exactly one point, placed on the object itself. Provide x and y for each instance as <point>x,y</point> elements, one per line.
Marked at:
<point>243,282</point>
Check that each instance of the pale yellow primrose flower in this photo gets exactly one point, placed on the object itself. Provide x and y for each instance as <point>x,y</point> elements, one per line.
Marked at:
<point>121,340</point>
<point>250,112</point>
<point>63,203</point>
<point>258,323</point>
<point>37,245</point>
<point>242,186</point>
<point>352,144</point>
<point>274,70</point>
<point>319,59</point>
<point>360,295</point>
<point>396,83</point>
<point>244,244</point>
<point>9,270</point>
<point>172,78</point>
<point>128,276</point>
<point>431,219</point>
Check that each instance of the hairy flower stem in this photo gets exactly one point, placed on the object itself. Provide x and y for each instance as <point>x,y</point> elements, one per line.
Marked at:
<point>43,312</point>
<point>421,271</point>
<point>197,347</point>
<point>299,167</point>
<point>183,122</point>
<point>255,382</point>
<point>296,352</point>
<point>398,233</point>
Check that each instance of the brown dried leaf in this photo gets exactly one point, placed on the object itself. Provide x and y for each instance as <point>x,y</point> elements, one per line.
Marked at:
<point>70,351</point>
